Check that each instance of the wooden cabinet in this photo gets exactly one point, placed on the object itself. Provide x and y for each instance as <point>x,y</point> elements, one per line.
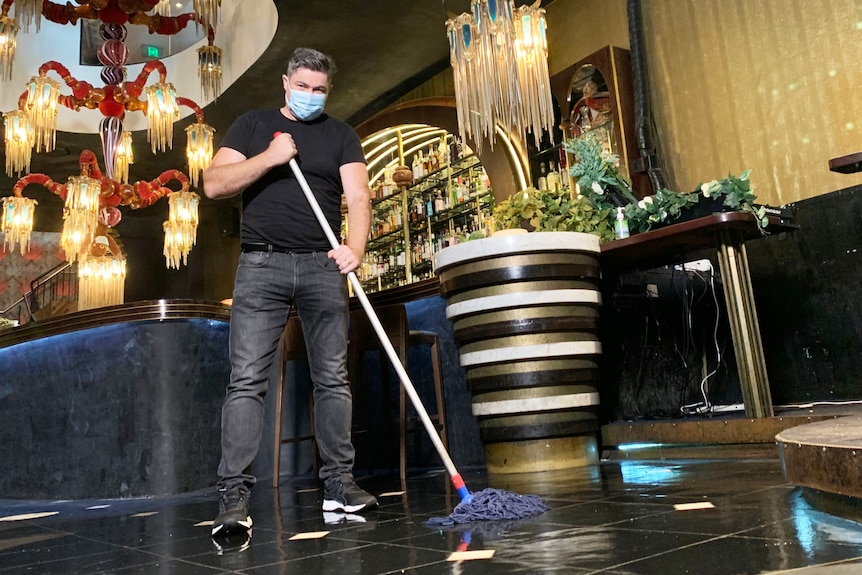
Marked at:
<point>596,97</point>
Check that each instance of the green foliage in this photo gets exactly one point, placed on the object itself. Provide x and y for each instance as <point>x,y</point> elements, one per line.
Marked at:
<point>598,178</point>
<point>553,211</point>
<point>737,195</point>
<point>666,205</point>
<point>596,172</point>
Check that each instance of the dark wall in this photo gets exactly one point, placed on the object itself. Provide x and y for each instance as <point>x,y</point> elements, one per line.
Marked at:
<point>807,289</point>
<point>211,263</point>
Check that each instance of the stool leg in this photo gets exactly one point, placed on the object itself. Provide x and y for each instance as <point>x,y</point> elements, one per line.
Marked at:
<point>402,432</point>
<point>279,400</point>
<point>438,390</point>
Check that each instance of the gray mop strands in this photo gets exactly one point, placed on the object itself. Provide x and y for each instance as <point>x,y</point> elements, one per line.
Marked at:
<point>492,505</point>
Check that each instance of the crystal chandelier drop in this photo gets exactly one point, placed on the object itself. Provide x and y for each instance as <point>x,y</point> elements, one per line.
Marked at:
<point>499,60</point>
<point>199,149</point>
<point>123,158</point>
<point>17,222</point>
<point>162,112</point>
<point>101,281</point>
<point>80,215</point>
<point>181,227</point>
<point>19,144</point>
<point>8,35</point>
<point>209,70</point>
<point>41,106</point>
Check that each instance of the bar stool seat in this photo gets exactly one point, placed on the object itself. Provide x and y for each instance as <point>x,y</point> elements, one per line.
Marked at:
<point>291,347</point>
<point>363,338</point>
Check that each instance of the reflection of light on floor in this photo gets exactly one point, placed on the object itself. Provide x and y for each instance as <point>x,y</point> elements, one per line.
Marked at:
<point>814,529</point>
<point>636,446</point>
<point>559,547</point>
<point>636,472</point>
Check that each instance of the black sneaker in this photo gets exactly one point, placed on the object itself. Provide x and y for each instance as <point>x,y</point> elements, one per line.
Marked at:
<point>345,495</point>
<point>233,514</point>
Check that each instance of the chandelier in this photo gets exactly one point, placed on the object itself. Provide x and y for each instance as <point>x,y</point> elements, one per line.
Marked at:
<point>499,57</point>
<point>92,198</point>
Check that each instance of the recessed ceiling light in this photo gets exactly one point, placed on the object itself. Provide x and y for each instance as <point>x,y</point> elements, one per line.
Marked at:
<point>179,4</point>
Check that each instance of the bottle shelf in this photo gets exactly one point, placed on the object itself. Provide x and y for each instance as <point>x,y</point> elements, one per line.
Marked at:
<point>403,253</point>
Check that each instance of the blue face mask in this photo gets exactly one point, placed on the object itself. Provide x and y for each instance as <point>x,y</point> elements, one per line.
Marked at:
<point>306,106</point>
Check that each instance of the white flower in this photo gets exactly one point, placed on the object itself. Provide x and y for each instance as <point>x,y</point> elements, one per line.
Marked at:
<point>710,188</point>
<point>643,203</point>
<point>598,189</point>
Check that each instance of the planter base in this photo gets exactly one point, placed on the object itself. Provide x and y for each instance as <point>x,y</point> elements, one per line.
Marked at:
<point>541,454</point>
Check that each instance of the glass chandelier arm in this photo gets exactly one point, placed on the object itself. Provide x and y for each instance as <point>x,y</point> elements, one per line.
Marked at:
<point>83,93</point>
<point>42,180</point>
<point>67,13</point>
<point>134,89</point>
<point>164,25</point>
<point>54,66</point>
<point>148,193</point>
<point>199,113</point>
<point>89,165</point>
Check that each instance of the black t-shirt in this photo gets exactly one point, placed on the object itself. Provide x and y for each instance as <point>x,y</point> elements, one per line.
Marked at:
<point>275,210</point>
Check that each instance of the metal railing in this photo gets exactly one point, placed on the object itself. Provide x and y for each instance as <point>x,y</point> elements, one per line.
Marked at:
<point>59,284</point>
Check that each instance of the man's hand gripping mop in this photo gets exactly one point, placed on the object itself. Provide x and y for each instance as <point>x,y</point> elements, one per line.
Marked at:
<point>487,504</point>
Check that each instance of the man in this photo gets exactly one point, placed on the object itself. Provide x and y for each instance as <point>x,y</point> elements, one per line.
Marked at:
<point>286,260</point>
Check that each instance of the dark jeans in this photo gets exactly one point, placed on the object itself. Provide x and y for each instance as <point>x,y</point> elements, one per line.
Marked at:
<point>267,285</point>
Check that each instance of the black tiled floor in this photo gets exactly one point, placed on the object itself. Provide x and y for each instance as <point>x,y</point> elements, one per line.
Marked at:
<point>617,518</point>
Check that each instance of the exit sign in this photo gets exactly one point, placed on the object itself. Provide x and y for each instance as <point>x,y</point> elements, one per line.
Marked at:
<point>151,51</point>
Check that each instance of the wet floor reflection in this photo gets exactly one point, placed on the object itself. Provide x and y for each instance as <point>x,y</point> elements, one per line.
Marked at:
<point>616,518</point>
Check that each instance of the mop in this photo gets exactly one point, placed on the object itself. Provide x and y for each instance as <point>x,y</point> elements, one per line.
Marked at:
<point>487,504</point>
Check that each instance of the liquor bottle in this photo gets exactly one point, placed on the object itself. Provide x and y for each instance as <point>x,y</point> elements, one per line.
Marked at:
<point>429,206</point>
<point>433,159</point>
<point>443,152</point>
<point>553,178</point>
<point>454,152</point>
<point>417,168</point>
<point>424,161</point>
<point>565,180</point>
<point>439,203</point>
<point>543,179</point>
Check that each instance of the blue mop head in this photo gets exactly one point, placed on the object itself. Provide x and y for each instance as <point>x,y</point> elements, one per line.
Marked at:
<point>492,505</point>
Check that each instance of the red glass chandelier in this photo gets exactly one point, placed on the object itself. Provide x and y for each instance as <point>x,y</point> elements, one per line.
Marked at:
<point>93,196</point>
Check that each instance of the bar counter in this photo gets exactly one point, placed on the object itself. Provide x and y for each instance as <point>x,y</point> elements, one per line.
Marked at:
<point>114,402</point>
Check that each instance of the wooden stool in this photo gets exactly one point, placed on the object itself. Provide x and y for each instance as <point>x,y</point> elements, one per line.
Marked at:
<point>291,347</point>
<point>363,339</point>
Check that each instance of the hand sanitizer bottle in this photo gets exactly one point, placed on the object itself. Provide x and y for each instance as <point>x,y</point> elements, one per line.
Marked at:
<point>621,225</point>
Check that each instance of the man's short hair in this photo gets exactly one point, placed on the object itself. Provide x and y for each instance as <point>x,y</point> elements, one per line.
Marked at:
<point>311,59</point>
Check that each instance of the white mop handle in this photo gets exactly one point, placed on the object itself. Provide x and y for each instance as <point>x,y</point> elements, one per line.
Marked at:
<point>378,328</point>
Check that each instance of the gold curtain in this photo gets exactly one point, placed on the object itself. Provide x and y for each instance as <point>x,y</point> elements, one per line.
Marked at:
<point>770,85</point>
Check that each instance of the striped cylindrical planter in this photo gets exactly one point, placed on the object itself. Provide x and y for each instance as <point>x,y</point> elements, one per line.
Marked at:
<point>524,310</point>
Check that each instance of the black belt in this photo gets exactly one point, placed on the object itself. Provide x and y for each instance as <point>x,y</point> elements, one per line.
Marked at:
<point>271,248</point>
